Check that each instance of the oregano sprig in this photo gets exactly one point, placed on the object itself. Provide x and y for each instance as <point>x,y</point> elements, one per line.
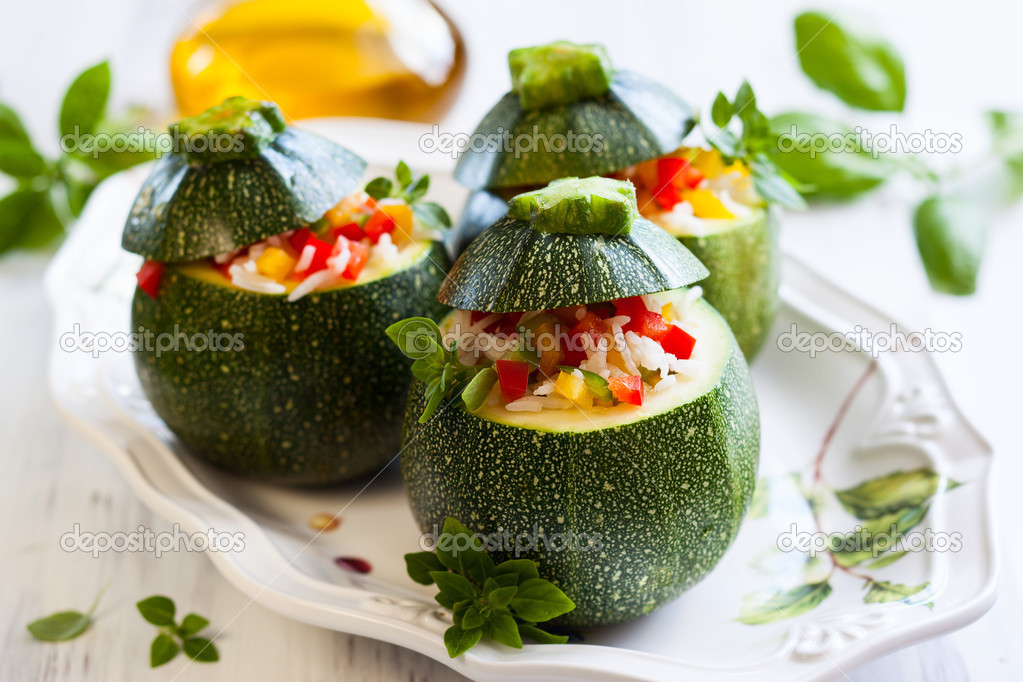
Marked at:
<point>174,637</point>
<point>439,368</point>
<point>410,189</point>
<point>504,602</point>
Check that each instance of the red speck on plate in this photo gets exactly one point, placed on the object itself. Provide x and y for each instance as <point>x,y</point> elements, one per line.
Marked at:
<point>352,563</point>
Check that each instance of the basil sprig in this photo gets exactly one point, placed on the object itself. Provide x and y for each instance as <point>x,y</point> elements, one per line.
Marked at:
<point>411,189</point>
<point>159,611</point>
<point>438,367</point>
<point>505,601</point>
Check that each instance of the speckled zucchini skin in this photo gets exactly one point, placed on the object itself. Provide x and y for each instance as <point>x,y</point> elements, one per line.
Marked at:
<point>745,271</point>
<point>665,495</point>
<point>315,396</point>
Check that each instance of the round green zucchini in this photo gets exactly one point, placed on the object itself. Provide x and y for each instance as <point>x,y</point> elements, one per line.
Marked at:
<point>314,394</point>
<point>624,508</point>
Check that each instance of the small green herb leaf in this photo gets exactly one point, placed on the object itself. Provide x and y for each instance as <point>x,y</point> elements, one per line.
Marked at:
<point>473,618</point>
<point>379,188</point>
<point>523,568</point>
<point>861,68</point>
<point>772,186</point>
<point>162,650</point>
<point>420,564</point>
<point>503,628</point>
<point>541,636</point>
<point>201,649</point>
<point>453,586</point>
<point>417,337</point>
<point>19,159</point>
<point>431,215</point>
<point>158,610</point>
<point>458,641</point>
<point>501,596</point>
<point>539,600</point>
<point>403,174</point>
<point>950,235</point>
<point>192,624</point>
<point>85,101</point>
<point>721,110</point>
<point>59,627</point>
<point>27,220</point>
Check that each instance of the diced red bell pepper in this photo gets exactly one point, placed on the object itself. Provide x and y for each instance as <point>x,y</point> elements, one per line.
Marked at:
<point>299,238</point>
<point>149,277</point>
<point>378,224</point>
<point>590,325</point>
<point>666,193</point>
<point>631,307</point>
<point>320,255</point>
<point>691,177</point>
<point>604,309</point>
<point>678,342</point>
<point>359,254</point>
<point>350,231</point>
<point>628,389</point>
<point>647,323</point>
<point>513,377</point>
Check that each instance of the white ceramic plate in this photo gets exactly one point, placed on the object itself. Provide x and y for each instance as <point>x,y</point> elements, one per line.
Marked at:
<point>826,616</point>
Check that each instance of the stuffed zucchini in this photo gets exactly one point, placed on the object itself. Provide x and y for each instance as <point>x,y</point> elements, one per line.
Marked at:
<point>634,130</point>
<point>600,399</point>
<point>274,257</point>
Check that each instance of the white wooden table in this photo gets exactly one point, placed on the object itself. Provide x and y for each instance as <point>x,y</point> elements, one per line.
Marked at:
<point>50,479</point>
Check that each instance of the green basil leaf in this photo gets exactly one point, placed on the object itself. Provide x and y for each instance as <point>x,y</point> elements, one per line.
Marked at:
<point>453,585</point>
<point>502,596</point>
<point>462,551</point>
<point>163,650</point>
<point>950,236</point>
<point>459,609</point>
<point>724,141</point>
<point>403,175</point>
<point>59,627</point>
<point>539,600</point>
<point>201,650</point>
<point>417,337</point>
<point>476,392</point>
<point>721,110</point>
<point>525,569</point>
<point>192,624</point>
<point>473,618</point>
<point>20,160</point>
<point>417,190</point>
<point>432,215</point>
<point>774,188</point>
<point>458,641</point>
<point>541,636</point>
<point>28,220</point>
<point>420,564</point>
<point>379,188</point>
<point>85,101</point>
<point>745,101</point>
<point>11,127</point>
<point>862,69</point>
<point>807,150</point>
<point>503,628</point>
<point>157,610</point>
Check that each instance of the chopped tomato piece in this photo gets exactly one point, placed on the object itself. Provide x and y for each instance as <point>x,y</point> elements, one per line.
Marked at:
<point>631,307</point>
<point>378,224</point>
<point>513,377</point>
<point>628,389</point>
<point>321,253</point>
<point>350,231</point>
<point>669,178</point>
<point>678,342</point>
<point>509,323</point>
<point>149,277</point>
<point>359,254</point>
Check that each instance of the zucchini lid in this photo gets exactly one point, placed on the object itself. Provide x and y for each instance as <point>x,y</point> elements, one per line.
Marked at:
<point>572,127</point>
<point>571,243</point>
<point>241,176</point>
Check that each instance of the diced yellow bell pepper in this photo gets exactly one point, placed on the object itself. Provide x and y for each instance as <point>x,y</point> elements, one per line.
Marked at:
<point>275,263</point>
<point>668,311</point>
<point>401,214</point>
<point>574,388</point>
<point>737,167</point>
<point>706,205</point>
<point>707,161</point>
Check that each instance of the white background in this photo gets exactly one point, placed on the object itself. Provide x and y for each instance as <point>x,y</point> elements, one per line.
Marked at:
<point>961,59</point>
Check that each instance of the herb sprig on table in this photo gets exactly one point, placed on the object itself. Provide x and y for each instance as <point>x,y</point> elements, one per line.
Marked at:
<point>504,602</point>
<point>173,636</point>
<point>50,193</point>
